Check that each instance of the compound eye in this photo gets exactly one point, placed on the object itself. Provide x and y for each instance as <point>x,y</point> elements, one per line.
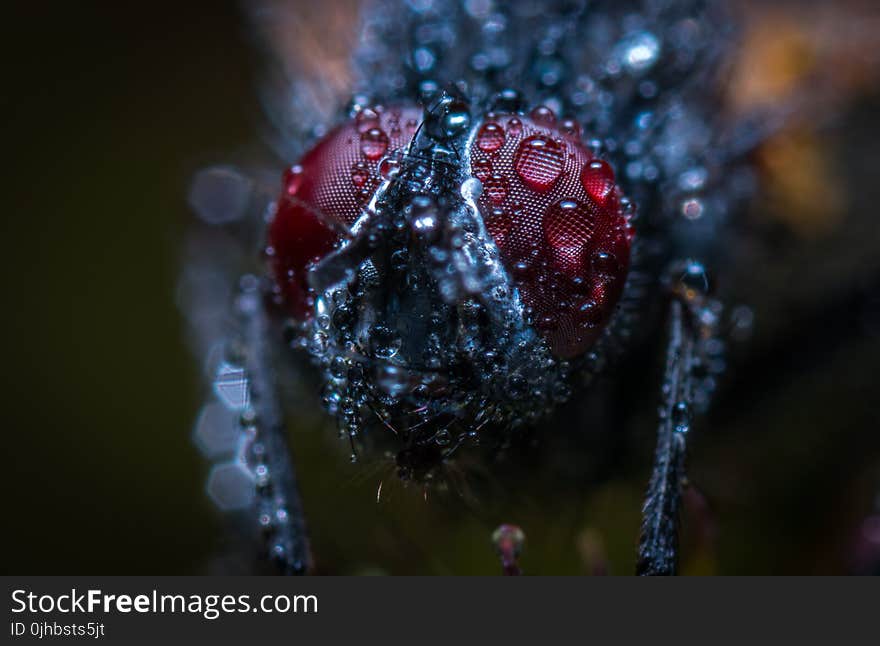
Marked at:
<point>328,191</point>
<point>554,212</point>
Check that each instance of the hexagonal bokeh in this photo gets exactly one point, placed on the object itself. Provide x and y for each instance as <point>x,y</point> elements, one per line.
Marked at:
<point>220,195</point>
<point>217,431</point>
<point>231,386</point>
<point>231,486</point>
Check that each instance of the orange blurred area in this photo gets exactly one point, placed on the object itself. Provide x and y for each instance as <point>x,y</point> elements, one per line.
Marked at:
<point>807,61</point>
<point>812,53</point>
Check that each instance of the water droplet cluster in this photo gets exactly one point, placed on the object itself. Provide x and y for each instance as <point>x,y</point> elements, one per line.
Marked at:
<point>411,316</point>
<point>620,72</point>
<point>328,190</point>
<point>554,211</point>
<point>424,310</point>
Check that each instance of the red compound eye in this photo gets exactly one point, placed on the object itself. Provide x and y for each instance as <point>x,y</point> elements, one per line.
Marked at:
<point>552,209</point>
<point>333,182</point>
<point>554,212</point>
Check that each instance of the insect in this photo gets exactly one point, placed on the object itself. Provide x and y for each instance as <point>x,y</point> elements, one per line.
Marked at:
<point>511,194</point>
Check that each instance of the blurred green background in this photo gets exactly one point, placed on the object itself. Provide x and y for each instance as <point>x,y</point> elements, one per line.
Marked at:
<point>108,112</point>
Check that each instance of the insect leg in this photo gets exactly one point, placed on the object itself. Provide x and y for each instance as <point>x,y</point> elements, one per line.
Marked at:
<point>278,503</point>
<point>687,382</point>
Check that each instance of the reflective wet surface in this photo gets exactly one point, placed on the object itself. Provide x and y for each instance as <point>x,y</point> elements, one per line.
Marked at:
<point>103,401</point>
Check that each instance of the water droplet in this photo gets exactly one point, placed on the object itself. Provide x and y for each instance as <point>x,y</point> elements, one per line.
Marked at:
<point>539,162</point>
<point>338,367</point>
<point>597,178</point>
<point>639,51</point>
<point>383,342</point>
<point>480,62</point>
<point>681,417</point>
<point>423,212</point>
<point>424,59</point>
<point>389,168</point>
<point>374,143</point>
<point>694,279</point>
<point>495,188</point>
<point>360,174</point>
<point>471,188</point>
<point>261,472</point>
<point>521,269</point>
<point>514,127</point>
<point>455,117</point>
<point>509,539</point>
<point>343,319</point>
<point>428,91</point>
<point>579,285</point>
<point>425,223</point>
<point>568,224</point>
<point>393,380</point>
<point>549,70</point>
<point>517,386</point>
<point>399,259</point>
<point>293,179</point>
<point>692,209</point>
<point>508,100</point>
<point>421,394</point>
<point>481,169</point>
<point>490,138</point>
<point>605,263</point>
<point>543,115</point>
<point>589,314</point>
<point>570,128</point>
<point>693,179</point>
<point>366,119</point>
<point>742,319</point>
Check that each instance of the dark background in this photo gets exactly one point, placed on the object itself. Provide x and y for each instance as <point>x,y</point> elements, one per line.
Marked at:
<point>107,113</point>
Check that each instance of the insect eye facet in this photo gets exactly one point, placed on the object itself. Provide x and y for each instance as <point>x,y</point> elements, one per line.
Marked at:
<point>554,212</point>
